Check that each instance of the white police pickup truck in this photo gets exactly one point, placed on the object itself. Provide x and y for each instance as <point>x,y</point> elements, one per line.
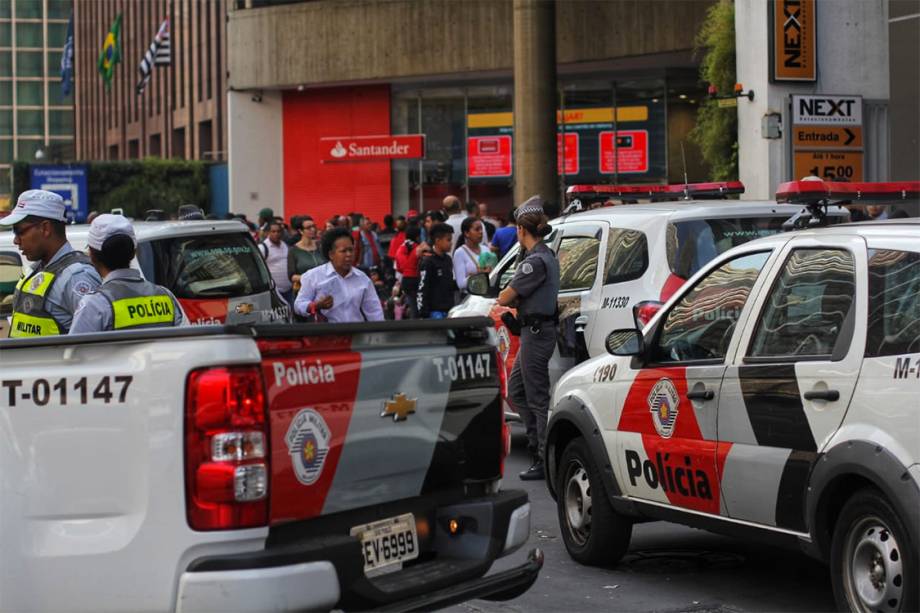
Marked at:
<point>257,468</point>
<point>774,396</point>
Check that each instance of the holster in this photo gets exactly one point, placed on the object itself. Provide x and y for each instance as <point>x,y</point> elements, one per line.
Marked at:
<point>512,323</point>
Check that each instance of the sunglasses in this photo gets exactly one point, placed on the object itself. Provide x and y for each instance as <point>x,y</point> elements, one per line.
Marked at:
<point>19,229</point>
<point>310,227</point>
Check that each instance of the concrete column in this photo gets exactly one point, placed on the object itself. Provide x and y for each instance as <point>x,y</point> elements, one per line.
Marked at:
<point>852,54</point>
<point>255,136</point>
<point>535,99</point>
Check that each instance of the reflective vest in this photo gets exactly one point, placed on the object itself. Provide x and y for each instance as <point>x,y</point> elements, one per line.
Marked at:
<point>139,304</point>
<point>30,315</point>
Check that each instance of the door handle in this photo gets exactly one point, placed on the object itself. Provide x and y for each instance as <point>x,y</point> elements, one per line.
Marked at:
<point>829,395</point>
<point>703,394</point>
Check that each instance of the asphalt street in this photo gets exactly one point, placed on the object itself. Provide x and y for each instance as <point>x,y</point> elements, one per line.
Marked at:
<point>668,568</point>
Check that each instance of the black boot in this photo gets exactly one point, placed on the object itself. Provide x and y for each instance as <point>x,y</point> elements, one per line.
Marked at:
<point>535,472</point>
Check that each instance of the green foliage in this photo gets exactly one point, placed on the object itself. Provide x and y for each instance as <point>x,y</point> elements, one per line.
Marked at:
<point>716,131</point>
<point>138,185</point>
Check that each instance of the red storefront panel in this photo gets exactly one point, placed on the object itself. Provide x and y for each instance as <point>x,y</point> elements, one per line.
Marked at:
<point>323,189</point>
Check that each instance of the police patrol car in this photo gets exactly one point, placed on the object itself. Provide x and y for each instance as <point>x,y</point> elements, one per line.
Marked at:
<point>617,261</point>
<point>774,395</point>
<point>212,267</point>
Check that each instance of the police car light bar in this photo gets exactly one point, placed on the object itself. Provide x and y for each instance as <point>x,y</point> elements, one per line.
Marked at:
<point>813,191</point>
<point>656,192</point>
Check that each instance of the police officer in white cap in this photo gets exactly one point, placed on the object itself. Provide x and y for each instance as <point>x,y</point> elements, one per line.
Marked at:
<point>124,301</point>
<point>45,299</point>
<point>534,289</point>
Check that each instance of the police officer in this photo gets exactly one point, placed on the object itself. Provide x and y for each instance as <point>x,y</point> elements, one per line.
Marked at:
<point>534,288</point>
<point>124,301</point>
<point>45,300</point>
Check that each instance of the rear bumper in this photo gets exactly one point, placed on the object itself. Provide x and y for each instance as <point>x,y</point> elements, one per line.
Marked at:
<point>323,572</point>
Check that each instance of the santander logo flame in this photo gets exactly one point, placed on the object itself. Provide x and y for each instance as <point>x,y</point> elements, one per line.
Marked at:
<point>338,151</point>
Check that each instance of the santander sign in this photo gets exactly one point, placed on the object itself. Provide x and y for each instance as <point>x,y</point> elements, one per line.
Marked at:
<point>372,148</point>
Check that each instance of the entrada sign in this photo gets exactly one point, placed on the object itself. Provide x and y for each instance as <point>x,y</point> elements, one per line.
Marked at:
<point>794,54</point>
<point>372,148</point>
<point>827,137</point>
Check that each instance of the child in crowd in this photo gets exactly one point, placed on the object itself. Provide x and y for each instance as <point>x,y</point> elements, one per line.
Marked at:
<point>436,275</point>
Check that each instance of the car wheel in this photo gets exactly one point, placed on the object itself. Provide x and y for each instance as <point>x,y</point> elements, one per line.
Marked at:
<point>873,564</point>
<point>593,532</point>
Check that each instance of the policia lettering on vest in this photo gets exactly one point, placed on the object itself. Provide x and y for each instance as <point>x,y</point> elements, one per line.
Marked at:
<point>45,300</point>
<point>534,289</point>
<point>124,300</point>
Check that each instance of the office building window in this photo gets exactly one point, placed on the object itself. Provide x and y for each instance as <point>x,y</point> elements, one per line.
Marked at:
<point>28,9</point>
<point>29,34</point>
<point>30,122</point>
<point>29,93</point>
<point>29,64</point>
<point>60,123</point>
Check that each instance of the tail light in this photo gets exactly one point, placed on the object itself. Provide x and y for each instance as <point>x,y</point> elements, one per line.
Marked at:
<point>226,445</point>
<point>506,445</point>
<point>644,311</point>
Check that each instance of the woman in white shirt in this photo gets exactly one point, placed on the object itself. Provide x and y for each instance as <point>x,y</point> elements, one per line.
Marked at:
<point>466,253</point>
<point>337,291</point>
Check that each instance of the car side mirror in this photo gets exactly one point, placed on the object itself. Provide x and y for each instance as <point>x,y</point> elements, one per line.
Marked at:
<point>478,285</point>
<point>625,342</point>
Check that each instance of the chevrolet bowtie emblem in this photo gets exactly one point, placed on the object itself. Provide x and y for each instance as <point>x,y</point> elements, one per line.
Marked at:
<point>244,308</point>
<point>399,407</point>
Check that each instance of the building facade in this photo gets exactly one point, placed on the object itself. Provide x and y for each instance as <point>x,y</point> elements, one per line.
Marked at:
<point>181,113</point>
<point>308,79</point>
<point>35,116</point>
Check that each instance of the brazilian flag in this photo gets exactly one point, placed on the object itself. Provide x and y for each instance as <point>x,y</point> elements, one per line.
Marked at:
<point>111,52</point>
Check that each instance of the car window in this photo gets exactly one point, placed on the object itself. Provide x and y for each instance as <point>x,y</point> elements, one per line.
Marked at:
<point>10,272</point>
<point>504,277</point>
<point>627,255</point>
<point>214,266</point>
<point>700,325</point>
<point>807,306</point>
<point>894,303</point>
<point>692,244</point>
<point>507,272</point>
<point>578,262</point>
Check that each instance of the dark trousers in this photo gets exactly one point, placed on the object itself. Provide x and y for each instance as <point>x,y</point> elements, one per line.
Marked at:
<point>528,385</point>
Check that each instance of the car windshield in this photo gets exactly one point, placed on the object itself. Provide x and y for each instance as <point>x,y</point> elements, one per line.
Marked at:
<point>692,244</point>
<point>215,266</point>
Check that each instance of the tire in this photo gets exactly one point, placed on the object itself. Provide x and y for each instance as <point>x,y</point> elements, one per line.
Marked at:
<point>873,563</point>
<point>593,532</point>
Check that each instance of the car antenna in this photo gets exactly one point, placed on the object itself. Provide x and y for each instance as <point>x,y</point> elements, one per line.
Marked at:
<point>683,158</point>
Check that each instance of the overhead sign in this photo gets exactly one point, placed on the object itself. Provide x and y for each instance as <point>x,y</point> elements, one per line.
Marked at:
<point>793,40</point>
<point>832,137</point>
<point>830,165</point>
<point>630,155</point>
<point>372,148</point>
<point>69,181</point>
<point>827,110</point>
<point>567,156</point>
<point>489,156</point>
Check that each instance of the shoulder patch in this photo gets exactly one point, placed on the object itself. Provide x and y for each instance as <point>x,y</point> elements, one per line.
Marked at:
<point>82,288</point>
<point>526,268</point>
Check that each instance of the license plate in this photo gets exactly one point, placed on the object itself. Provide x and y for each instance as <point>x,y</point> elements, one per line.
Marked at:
<point>388,543</point>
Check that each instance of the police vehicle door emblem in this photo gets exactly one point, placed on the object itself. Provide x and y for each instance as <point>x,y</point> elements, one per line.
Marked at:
<point>662,402</point>
<point>307,440</point>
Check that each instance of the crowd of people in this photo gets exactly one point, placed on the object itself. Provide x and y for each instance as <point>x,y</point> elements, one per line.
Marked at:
<point>352,269</point>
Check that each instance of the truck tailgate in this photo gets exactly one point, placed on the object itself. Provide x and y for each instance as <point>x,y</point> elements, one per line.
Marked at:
<point>369,415</point>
